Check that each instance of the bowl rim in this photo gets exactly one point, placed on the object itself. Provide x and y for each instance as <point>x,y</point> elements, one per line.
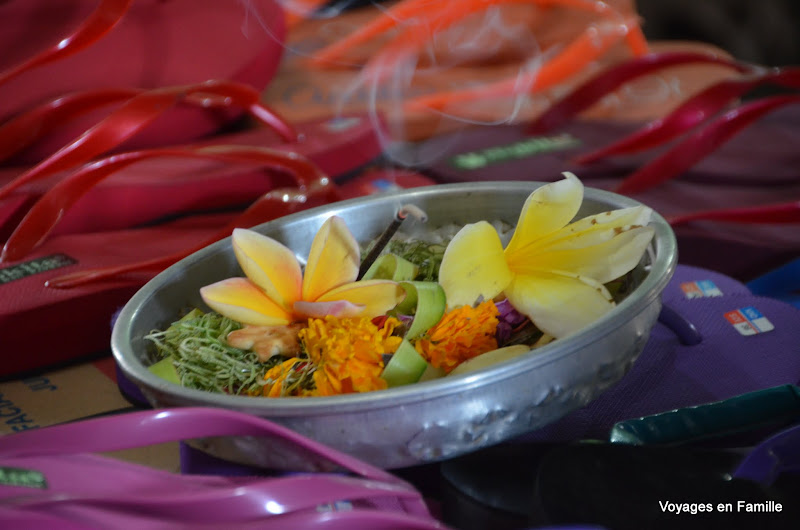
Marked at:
<point>661,270</point>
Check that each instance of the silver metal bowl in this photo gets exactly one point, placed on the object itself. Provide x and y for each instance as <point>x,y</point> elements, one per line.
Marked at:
<point>428,421</point>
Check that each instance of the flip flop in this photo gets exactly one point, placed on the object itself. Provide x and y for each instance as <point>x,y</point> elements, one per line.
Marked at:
<point>124,259</point>
<point>338,145</point>
<point>343,493</point>
<point>164,187</point>
<point>731,389</point>
<point>136,113</point>
<point>98,271</point>
<point>734,211</point>
<point>671,374</point>
<point>346,51</point>
<point>83,45</point>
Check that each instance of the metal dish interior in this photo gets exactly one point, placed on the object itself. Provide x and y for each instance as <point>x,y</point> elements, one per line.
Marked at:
<point>428,421</point>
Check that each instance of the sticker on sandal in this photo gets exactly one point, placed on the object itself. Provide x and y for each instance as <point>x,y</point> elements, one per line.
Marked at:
<point>341,124</point>
<point>25,478</point>
<point>34,266</point>
<point>700,289</point>
<point>527,148</point>
<point>749,321</point>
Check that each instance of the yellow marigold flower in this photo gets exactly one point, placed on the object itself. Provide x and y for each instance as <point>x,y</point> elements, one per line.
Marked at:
<point>348,353</point>
<point>461,334</point>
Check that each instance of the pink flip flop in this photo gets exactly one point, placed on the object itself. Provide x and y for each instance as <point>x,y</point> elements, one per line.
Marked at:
<point>89,490</point>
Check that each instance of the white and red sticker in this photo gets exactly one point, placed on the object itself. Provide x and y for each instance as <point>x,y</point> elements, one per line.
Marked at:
<point>749,321</point>
<point>700,289</point>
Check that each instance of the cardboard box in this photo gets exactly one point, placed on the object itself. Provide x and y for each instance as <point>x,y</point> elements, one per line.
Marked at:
<point>70,394</point>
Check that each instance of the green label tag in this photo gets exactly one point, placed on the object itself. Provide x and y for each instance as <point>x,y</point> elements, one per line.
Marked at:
<point>34,266</point>
<point>27,478</point>
<point>522,149</point>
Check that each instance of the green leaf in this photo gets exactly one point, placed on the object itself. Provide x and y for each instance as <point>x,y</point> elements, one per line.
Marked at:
<point>165,369</point>
<point>391,267</point>
<point>405,367</point>
<point>426,301</point>
<point>431,373</point>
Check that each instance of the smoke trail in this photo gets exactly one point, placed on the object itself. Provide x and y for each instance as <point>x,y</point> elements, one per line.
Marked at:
<point>427,53</point>
<point>460,53</point>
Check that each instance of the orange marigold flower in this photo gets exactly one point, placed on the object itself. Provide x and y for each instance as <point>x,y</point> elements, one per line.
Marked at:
<point>461,334</point>
<point>348,353</point>
<point>281,378</point>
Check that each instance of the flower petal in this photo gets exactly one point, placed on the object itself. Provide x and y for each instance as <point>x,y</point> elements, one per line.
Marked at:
<point>376,296</point>
<point>473,265</point>
<point>547,209</point>
<point>339,308</point>
<point>241,300</point>
<point>270,265</point>
<point>596,228</point>
<point>559,304</point>
<point>602,262</point>
<point>333,260</point>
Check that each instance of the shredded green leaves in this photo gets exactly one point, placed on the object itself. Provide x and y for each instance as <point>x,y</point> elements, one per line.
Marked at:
<point>203,358</point>
<point>427,256</point>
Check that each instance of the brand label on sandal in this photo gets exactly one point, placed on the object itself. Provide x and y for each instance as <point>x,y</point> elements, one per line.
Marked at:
<point>749,321</point>
<point>34,266</point>
<point>523,149</point>
<point>342,124</point>
<point>26,478</point>
<point>700,289</point>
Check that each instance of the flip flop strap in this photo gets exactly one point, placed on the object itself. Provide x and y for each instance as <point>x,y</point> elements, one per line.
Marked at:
<point>46,212</point>
<point>139,111</point>
<point>102,20</point>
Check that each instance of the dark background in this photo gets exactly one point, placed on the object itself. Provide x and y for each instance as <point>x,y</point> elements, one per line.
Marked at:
<point>766,32</point>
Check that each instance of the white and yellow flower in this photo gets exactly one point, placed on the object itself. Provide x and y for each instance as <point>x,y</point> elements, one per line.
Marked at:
<point>553,270</point>
<point>276,291</point>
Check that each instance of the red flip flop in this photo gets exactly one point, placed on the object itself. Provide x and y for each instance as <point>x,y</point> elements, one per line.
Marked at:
<point>97,272</point>
<point>150,191</point>
<point>433,69</point>
<point>124,259</point>
<point>338,146</point>
<point>735,211</point>
<point>86,45</point>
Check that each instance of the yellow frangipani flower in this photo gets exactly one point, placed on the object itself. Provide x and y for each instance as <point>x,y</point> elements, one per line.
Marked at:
<point>553,270</point>
<point>277,292</point>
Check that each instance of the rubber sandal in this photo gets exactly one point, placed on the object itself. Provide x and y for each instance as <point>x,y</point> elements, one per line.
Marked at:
<point>733,211</point>
<point>61,57</point>
<point>124,260</point>
<point>592,91</point>
<point>674,374</point>
<point>343,492</point>
<point>99,22</point>
<point>137,113</point>
<point>342,82</point>
<point>709,396</point>
<point>698,119</point>
<point>150,192</point>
